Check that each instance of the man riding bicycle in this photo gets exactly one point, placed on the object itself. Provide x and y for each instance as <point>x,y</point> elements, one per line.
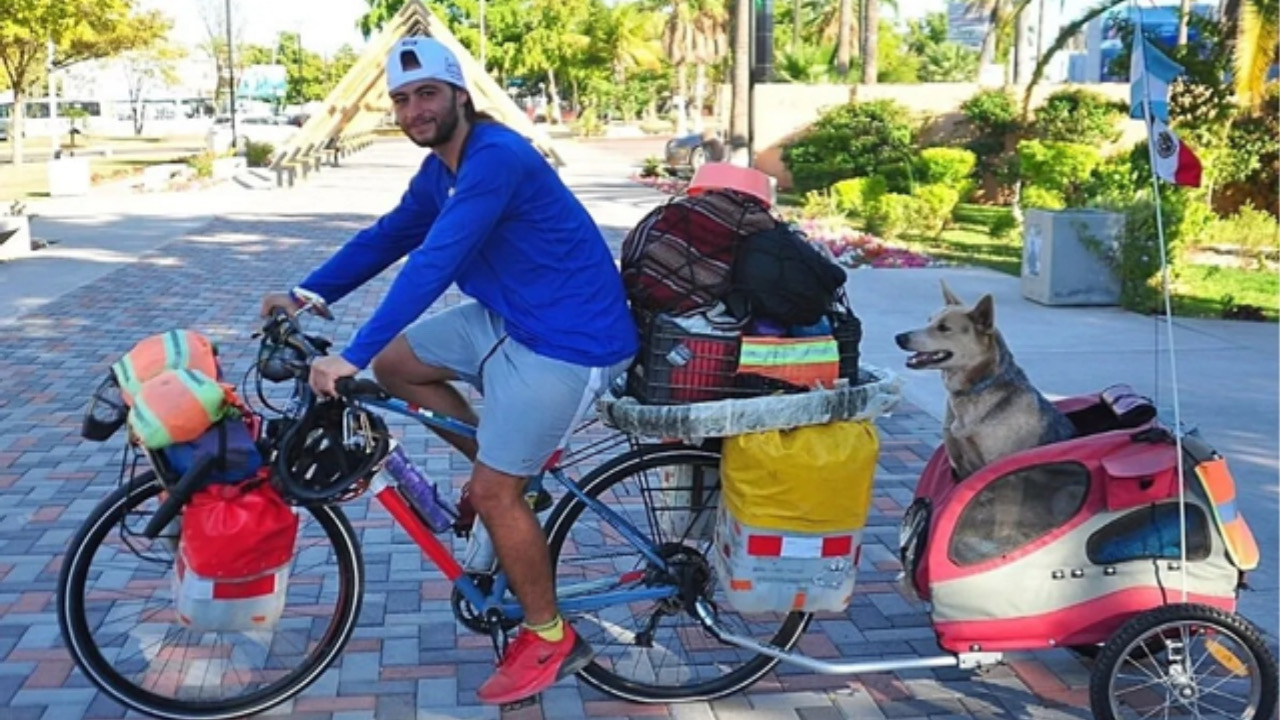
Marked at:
<point>548,328</point>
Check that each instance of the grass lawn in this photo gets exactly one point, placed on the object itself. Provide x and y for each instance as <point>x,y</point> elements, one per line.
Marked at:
<point>1207,290</point>
<point>31,180</point>
<point>129,155</point>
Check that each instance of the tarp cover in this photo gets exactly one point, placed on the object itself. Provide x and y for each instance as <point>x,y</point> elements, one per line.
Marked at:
<point>877,392</point>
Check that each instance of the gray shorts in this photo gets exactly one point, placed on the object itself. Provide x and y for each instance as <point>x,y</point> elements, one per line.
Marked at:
<point>532,403</point>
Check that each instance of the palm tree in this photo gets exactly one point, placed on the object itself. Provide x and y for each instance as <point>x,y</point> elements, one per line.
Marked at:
<point>740,117</point>
<point>632,39</point>
<point>1184,18</point>
<point>710,45</point>
<point>1256,48</point>
<point>995,11</point>
<point>870,40</point>
<point>677,42</point>
<point>844,42</point>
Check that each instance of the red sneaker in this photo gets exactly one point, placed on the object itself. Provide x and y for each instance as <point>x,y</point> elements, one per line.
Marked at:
<point>532,665</point>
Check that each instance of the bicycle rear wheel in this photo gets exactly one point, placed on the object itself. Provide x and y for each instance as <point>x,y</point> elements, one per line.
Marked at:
<point>657,651</point>
<point>115,608</point>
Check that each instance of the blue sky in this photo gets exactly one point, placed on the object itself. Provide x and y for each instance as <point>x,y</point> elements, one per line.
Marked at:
<point>325,24</point>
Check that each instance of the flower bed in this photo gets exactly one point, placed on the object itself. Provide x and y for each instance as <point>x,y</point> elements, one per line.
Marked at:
<point>668,185</point>
<point>853,248</point>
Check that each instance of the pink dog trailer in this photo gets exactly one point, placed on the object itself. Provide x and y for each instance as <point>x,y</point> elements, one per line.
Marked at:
<point>1061,545</point>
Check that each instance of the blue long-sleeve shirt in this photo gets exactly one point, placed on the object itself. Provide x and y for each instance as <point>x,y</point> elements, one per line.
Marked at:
<point>511,235</point>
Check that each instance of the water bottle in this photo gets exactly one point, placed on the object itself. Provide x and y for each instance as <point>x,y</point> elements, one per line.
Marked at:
<point>422,494</point>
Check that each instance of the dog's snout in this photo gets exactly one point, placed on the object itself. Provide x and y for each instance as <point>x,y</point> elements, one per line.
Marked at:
<point>903,339</point>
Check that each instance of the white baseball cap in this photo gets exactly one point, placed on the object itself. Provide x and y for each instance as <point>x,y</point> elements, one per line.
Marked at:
<point>414,59</point>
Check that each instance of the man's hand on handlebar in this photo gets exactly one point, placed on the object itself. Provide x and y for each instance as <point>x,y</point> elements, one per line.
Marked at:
<point>282,300</point>
<point>326,371</point>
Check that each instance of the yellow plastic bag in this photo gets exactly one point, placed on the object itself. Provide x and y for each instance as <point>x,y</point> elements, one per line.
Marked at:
<point>816,478</point>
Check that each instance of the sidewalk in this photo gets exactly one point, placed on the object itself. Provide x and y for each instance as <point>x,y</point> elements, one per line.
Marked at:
<point>203,261</point>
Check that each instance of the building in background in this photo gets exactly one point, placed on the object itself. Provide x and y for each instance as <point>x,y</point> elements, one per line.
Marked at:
<point>1103,42</point>
<point>1039,28</point>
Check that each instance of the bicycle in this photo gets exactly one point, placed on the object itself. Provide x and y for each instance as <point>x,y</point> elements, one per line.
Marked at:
<point>620,605</point>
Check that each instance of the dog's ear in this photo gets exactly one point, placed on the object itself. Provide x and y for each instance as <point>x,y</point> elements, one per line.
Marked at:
<point>983,315</point>
<point>949,296</point>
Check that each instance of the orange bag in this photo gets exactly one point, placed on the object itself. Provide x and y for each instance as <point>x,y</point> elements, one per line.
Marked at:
<point>177,406</point>
<point>172,350</point>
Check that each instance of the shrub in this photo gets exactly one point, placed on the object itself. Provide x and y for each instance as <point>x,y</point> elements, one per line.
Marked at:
<point>202,164</point>
<point>993,112</point>
<point>1113,183</point>
<point>653,167</point>
<point>852,140</point>
<point>949,166</point>
<point>855,195</point>
<point>891,215</point>
<point>1064,168</point>
<point>258,154</point>
<point>1250,231</point>
<point>993,119</point>
<point>936,203</point>
<point>1004,225</point>
<point>820,204</point>
<point>1078,116</point>
<point>589,124</point>
<point>1034,196</point>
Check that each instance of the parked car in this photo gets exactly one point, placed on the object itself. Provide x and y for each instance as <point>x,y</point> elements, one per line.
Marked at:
<point>270,129</point>
<point>687,153</point>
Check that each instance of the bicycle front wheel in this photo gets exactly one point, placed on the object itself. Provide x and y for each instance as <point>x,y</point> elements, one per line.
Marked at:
<point>116,610</point>
<point>655,652</point>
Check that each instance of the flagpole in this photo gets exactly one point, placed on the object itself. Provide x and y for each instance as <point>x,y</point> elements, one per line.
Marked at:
<point>1139,41</point>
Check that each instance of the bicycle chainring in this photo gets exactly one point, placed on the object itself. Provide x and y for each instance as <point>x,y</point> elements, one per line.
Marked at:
<point>468,615</point>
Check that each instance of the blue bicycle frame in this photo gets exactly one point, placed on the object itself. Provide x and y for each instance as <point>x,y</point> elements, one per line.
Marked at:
<point>576,598</point>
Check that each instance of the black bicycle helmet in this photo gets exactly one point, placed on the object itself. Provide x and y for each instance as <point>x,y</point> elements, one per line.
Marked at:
<point>314,463</point>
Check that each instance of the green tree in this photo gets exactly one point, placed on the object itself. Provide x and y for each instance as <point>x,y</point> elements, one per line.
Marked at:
<point>215,15</point>
<point>145,69</point>
<point>696,33</point>
<point>338,66</point>
<point>554,37</point>
<point>939,60</point>
<point>78,29</point>
<point>380,13</point>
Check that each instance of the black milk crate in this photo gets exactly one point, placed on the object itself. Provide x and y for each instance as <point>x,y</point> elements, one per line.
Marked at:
<point>676,366</point>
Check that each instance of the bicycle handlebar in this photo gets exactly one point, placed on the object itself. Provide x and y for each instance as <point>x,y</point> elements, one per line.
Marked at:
<point>354,388</point>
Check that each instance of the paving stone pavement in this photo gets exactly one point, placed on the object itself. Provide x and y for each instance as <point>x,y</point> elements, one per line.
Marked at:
<point>211,279</point>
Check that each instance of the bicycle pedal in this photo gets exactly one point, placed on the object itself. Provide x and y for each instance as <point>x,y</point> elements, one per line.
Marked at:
<point>521,704</point>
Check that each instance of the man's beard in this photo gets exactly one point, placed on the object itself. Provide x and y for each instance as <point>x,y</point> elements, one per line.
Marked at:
<point>445,126</point>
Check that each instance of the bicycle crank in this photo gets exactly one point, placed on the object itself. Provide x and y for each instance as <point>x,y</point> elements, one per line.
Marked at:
<point>469,616</point>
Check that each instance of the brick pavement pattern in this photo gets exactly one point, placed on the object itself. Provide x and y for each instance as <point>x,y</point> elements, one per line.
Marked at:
<point>407,658</point>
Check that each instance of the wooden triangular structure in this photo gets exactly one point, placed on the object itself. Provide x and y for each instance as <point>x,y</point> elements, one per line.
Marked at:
<point>359,101</point>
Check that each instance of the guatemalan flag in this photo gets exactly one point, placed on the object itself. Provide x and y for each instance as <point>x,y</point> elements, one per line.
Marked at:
<point>1150,74</point>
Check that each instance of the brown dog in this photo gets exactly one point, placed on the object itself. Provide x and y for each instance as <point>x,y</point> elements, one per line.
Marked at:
<point>992,409</point>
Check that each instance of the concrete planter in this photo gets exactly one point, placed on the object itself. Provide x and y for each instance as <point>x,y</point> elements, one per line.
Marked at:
<point>1062,257</point>
<point>15,237</point>
<point>68,176</point>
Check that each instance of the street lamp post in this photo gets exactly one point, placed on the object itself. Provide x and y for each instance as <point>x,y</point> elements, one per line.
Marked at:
<point>231,79</point>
